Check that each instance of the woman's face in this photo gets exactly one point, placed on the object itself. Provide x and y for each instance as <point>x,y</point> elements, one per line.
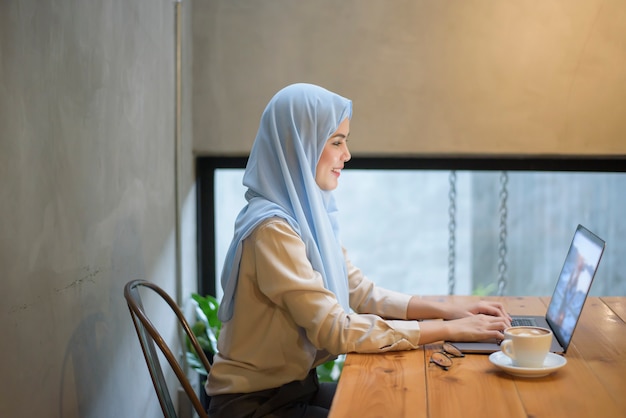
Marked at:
<point>334,155</point>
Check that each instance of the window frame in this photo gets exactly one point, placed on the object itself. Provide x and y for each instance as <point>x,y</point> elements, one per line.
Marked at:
<point>205,185</point>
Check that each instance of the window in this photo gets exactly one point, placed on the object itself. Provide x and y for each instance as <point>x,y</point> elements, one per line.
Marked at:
<point>397,226</point>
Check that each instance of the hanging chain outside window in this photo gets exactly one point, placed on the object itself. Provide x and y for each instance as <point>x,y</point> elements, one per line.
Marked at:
<point>451,232</point>
<point>502,266</point>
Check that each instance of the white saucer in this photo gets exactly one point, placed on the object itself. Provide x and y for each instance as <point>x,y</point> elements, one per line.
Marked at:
<point>552,363</point>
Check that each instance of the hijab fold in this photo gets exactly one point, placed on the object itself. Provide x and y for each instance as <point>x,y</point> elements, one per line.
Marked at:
<point>280,177</point>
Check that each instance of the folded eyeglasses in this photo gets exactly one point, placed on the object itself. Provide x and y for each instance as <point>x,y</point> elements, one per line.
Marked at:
<point>443,358</point>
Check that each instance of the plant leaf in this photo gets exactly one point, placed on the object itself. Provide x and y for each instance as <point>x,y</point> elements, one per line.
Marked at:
<point>206,314</point>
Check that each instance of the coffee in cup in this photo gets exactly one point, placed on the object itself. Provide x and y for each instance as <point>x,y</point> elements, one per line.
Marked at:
<point>527,346</point>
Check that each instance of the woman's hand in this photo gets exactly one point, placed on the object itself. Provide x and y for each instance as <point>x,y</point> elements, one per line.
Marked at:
<point>470,328</point>
<point>457,311</point>
<point>477,327</point>
<point>426,309</point>
<point>473,321</point>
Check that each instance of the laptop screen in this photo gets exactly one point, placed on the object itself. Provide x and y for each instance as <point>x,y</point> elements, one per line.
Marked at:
<point>574,283</point>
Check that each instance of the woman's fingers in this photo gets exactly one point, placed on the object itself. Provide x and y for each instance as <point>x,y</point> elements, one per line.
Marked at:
<point>495,309</point>
<point>479,327</point>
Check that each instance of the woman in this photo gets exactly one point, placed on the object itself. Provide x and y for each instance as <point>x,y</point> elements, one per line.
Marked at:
<point>292,298</point>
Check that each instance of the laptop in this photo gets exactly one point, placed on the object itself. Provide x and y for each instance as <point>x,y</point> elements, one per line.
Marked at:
<point>568,298</point>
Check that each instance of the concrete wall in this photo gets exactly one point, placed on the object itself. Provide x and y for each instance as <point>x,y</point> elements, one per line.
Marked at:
<point>450,76</point>
<point>87,200</point>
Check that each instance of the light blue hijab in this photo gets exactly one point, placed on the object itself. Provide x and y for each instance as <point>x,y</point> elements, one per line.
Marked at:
<point>280,177</point>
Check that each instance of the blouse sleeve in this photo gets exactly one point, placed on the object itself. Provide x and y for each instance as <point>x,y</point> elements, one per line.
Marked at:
<point>287,278</point>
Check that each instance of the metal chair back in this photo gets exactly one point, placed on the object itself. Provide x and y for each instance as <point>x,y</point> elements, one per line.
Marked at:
<point>150,339</point>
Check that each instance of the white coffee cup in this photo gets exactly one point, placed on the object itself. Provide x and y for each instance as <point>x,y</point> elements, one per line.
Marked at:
<point>527,346</point>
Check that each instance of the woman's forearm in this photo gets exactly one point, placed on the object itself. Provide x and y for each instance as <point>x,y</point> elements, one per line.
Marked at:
<point>426,309</point>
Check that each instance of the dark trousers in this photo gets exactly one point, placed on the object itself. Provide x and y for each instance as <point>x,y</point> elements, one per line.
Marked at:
<point>299,399</point>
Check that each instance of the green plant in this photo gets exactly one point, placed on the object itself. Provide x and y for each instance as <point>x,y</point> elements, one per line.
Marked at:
<point>331,370</point>
<point>485,290</point>
<point>207,328</point>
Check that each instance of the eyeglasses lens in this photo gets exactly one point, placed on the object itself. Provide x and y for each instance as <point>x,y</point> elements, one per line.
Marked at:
<point>441,360</point>
<point>452,350</point>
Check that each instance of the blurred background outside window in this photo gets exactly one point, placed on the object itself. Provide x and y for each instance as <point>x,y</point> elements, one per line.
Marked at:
<point>396,225</point>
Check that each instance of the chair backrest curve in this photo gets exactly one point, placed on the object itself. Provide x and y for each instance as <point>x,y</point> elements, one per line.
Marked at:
<point>150,338</point>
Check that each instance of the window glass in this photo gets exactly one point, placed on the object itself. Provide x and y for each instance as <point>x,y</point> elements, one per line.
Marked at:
<point>396,225</point>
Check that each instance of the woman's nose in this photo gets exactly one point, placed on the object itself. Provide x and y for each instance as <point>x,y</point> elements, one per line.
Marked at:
<point>346,154</point>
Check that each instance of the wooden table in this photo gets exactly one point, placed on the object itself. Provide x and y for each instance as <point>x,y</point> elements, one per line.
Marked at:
<point>406,384</point>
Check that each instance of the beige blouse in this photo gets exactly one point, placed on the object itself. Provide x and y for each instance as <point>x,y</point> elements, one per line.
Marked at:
<point>285,322</point>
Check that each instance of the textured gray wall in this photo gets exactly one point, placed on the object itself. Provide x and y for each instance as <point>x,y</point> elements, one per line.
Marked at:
<point>87,200</point>
<point>448,76</point>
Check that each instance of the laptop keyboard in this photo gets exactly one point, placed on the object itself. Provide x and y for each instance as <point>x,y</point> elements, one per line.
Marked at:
<point>516,322</point>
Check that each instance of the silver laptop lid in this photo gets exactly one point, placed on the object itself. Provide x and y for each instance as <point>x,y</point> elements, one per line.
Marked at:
<point>572,288</point>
